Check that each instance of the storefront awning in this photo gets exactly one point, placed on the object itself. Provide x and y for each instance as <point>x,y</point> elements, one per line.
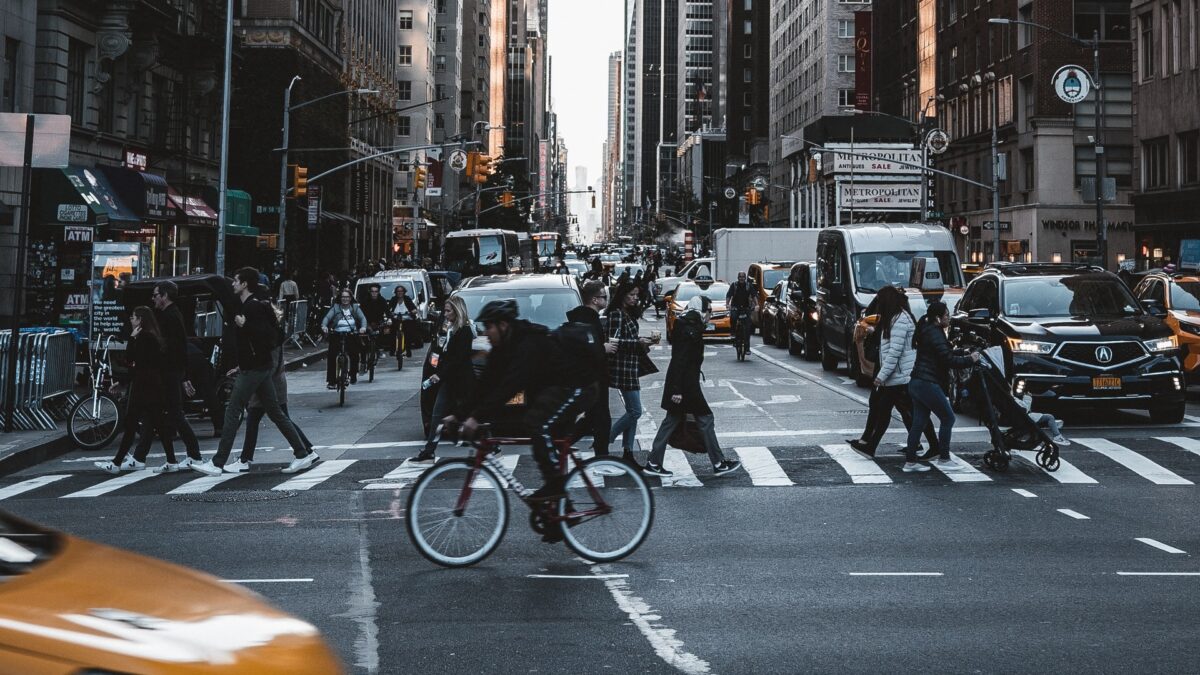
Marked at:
<point>238,207</point>
<point>144,192</point>
<point>79,196</point>
<point>193,209</point>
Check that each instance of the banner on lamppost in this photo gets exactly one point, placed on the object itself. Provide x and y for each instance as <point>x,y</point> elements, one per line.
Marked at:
<point>314,206</point>
<point>543,173</point>
<point>862,60</point>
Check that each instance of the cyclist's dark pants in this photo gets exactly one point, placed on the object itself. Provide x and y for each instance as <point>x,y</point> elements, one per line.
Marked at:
<point>553,411</point>
<point>335,345</point>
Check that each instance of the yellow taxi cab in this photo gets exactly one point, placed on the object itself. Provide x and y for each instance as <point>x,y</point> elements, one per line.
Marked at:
<point>1179,295</point>
<point>765,275</point>
<point>72,606</point>
<point>718,324</point>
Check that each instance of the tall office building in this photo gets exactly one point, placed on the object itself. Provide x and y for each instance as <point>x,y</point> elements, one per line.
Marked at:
<point>416,25</point>
<point>748,116</point>
<point>631,203</point>
<point>652,47</point>
<point>696,57</point>
<point>448,69</point>
<point>610,183</point>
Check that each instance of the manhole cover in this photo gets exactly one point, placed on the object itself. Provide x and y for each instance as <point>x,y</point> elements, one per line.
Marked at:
<point>234,497</point>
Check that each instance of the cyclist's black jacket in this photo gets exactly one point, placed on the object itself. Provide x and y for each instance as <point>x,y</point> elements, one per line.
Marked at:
<point>527,362</point>
<point>375,309</point>
<point>739,295</point>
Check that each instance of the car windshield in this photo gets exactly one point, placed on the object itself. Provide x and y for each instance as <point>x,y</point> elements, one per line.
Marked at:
<point>873,271</point>
<point>1081,295</point>
<point>387,289</point>
<point>715,292</point>
<point>548,307</point>
<point>772,277</point>
<point>1185,296</point>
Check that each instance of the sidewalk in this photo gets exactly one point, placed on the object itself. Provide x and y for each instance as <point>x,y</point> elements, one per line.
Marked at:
<point>23,449</point>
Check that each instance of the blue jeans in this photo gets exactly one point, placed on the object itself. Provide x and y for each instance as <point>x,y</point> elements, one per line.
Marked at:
<point>927,398</point>
<point>627,423</point>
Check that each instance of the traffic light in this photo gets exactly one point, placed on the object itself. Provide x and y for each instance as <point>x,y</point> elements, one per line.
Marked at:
<point>419,178</point>
<point>593,200</point>
<point>483,168</point>
<point>471,157</point>
<point>298,177</point>
<point>506,199</point>
<point>751,196</point>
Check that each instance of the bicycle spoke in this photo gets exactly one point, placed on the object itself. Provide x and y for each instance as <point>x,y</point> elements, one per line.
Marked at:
<point>446,535</point>
<point>620,513</point>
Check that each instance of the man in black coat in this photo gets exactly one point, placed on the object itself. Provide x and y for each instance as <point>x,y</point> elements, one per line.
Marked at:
<point>174,377</point>
<point>683,395</point>
<point>598,418</point>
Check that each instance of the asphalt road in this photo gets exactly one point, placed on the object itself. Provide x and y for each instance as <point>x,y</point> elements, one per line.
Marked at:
<point>814,562</point>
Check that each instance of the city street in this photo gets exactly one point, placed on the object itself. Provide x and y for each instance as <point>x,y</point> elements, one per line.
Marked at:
<point>813,559</point>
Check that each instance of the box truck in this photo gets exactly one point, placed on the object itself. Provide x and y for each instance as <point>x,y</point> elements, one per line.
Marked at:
<point>734,249</point>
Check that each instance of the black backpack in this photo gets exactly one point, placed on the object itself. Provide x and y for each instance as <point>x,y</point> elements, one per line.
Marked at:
<point>581,352</point>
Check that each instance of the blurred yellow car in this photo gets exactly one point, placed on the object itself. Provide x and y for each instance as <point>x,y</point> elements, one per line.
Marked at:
<point>718,324</point>
<point>71,606</point>
<point>1179,295</point>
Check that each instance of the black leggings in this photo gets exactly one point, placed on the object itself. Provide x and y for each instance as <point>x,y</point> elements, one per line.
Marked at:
<point>145,404</point>
<point>879,417</point>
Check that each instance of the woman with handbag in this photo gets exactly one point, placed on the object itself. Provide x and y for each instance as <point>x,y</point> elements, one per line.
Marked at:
<point>628,363</point>
<point>683,395</point>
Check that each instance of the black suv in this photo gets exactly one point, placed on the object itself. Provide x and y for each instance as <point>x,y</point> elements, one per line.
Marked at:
<point>1074,334</point>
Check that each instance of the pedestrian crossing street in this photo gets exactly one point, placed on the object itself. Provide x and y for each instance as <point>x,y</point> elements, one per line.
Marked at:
<point>1161,461</point>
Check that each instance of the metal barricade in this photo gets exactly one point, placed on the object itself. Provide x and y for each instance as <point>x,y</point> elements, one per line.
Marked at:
<point>296,323</point>
<point>45,373</point>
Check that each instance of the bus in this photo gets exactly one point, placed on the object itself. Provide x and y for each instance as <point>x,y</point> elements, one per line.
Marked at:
<point>473,253</point>
<point>549,249</point>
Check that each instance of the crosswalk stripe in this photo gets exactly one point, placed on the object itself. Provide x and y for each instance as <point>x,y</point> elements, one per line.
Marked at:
<point>1192,445</point>
<point>962,472</point>
<point>677,463</point>
<point>27,485</point>
<point>1139,464</point>
<point>861,469</point>
<point>596,479</point>
<point>316,475</point>
<point>111,484</point>
<point>200,485</point>
<point>401,477</point>
<point>762,467</point>
<point>1066,473</point>
<point>509,462</point>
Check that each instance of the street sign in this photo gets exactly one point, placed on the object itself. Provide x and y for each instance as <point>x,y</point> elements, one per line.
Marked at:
<point>314,206</point>
<point>72,213</point>
<point>937,141</point>
<point>1005,225</point>
<point>964,230</point>
<point>458,161</point>
<point>433,192</point>
<point>730,193</point>
<point>1072,84</point>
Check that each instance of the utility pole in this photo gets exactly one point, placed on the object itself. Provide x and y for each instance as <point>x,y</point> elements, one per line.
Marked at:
<point>223,189</point>
<point>1101,157</point>
<point>995,167</point>
<point>283,170</point>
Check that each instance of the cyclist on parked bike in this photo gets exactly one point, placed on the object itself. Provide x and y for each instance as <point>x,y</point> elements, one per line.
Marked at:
<point>343,321</point>
<point>740,301</point>
<point>526,359</point>
<point>404,313</point>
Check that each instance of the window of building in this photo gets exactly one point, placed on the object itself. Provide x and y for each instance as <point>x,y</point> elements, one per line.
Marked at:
<point>105,107</point>
<point>1027,174</point>
<point>1109,17</point>
<point>846,98</point>
<point>441,6</point>
<point>1145,47</point>
<point>1189,158</point>
<point>746,74</point>
<point>439,121</point>
<point>845,28</point>
<point>746,51</point>
<point>441,34</point>
<point>845,63</point>
<point>161,96</point>
<point>1154,164</point>
<point>133,124</point>
<point>747,123</point>
<point>1176,46</point>
<point>441,64</point>
<point>746,99</point>
<point>76,74</point>
<point>8,88</point>
<point>404,87</point>
<point>748,5</point>
<point>405,55</point>
<point>406,19</point>
<point>746,27</point>
<point>404,125</point>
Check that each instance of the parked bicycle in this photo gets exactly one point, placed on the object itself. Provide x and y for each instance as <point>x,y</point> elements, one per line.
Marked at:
<point>458,511</point>
<point>95,420</point>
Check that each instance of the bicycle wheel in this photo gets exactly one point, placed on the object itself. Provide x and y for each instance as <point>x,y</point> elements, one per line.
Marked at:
<point>400,351</point>
<point>442,532</point>
<point>343,376</point>
<point>610,517</point>
<point>372,357</point>
<point>94,421</point>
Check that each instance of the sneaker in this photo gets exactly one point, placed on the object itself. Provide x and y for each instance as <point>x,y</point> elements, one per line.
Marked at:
<point>207,468</point>
<point>186,462</point>
<point>167,467</point>
<point>237,467</point>
<point>331,385</point>
<point>301,464</point>
<point>423,458</point>
<point>652,469</point>
<point>108,467</point>
<point>1061,440</point>
<point>861,446</point>
<point>131,464</point>
<point>910,467</point>
<point>945,463</point>
<point>727,466</point>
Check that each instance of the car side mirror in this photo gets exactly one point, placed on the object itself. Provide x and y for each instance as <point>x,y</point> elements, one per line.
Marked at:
<point>981,315</point>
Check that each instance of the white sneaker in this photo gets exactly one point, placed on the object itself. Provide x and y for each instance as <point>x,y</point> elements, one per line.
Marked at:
<point>131,464</point>
<point>167,467</point>
<point>108,467</point>
<point>186,463</point>
<point>301,464</point>
<point>237,467</point>
<point>910,467</point>
<point>207,468</point>
<point>946,463</point>
<point>1061,440</point>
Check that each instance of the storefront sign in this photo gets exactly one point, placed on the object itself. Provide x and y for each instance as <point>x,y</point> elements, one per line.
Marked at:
<point>879,196</point>
<point>314,206</point>
<point>156,202</point>
<point>77,234</point>
<point>1067,225</point>
<point>862,60</point>
<point>72,213</point>
<point>75,301</point>
<point>877,161</point>
<point>136,160</point>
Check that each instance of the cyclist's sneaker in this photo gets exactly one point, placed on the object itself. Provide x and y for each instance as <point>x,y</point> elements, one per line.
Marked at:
<point>553,490</point>
<point>910,467</point>
<point>237,467</point>
<point>108,467</point>
<point>131,464</point>
<point>167,467</point>
<point>727,466</point>
<point>423,458</point>
<point>1061,440</point>
<point>652,469</point>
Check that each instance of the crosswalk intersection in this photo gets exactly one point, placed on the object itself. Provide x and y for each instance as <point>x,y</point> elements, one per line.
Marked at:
<point>1166,461</point>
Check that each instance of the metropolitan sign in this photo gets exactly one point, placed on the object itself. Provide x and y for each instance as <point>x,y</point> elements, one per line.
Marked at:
<point>879,196</point>
<point>879,161</point>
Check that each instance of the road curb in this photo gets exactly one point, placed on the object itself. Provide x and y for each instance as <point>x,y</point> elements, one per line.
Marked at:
<point>301,360</point>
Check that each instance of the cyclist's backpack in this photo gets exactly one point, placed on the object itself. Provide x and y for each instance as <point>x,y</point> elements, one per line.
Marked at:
<point>582,354</point>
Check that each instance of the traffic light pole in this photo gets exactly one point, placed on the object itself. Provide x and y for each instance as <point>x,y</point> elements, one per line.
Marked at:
<point>283,171</point>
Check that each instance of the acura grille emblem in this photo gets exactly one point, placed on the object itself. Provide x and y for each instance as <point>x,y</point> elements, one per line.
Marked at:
<point>1104,354</point>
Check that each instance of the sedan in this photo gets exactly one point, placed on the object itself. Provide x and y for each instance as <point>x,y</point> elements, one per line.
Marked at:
<point>718,324</point>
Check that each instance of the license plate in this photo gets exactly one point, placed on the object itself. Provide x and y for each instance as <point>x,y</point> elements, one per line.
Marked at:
<point>1106,383</point>
<point>711,326</point>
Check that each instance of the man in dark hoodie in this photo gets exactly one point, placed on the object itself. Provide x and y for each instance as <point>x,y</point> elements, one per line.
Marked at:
<point>598,420</point>
<point>174,376</point>
<point>526,360</point>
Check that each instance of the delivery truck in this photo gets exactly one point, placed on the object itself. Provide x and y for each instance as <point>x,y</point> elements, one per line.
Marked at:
<point>735,249</point>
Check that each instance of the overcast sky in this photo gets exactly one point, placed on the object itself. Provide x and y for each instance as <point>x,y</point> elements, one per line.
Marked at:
<point>582,34</point>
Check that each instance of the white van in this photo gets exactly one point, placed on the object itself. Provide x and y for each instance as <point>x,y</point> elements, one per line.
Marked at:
<point>415,281</point>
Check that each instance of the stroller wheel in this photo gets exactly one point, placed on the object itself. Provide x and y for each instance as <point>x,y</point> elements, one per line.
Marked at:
<point>1052,463</point>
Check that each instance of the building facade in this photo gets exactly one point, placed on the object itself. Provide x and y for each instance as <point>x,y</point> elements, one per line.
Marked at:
<point>748,120</point>
<point>611,193</point>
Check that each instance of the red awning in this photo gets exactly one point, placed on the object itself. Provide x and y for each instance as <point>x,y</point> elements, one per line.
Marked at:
<point>194,209</point>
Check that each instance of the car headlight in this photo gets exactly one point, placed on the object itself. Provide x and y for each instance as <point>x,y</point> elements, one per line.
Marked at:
<point>1030,346</point>
<point>1159,345</point>
<point>1191,328</point>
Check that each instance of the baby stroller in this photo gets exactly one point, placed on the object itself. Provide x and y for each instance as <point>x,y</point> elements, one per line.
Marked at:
<point>989,388</point>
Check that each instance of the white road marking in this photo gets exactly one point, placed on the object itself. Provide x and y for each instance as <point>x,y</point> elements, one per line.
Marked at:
<point>117,483</point>
<point>362,609</point>
<point>961,472</point>
<point>1024,493</point>
<point>316,475</point>
<point>1158,574</point>
<point>666,645</point>
<point>27,485</point>
<point>268,581</point>
<point>195,487</point>
<point>762,467</point>
<point>1074,514</point>
<point>1066,473</point>
<point>1192,445</point>
<point>369,446</point>
<point>509,462</point>
<point>753,404</point>
<point>810,377</point>
<point>398,478</point>
<point>1192,418</point>
<point>677,463</point>
<point>1139,464</point>
<point>895,574</point>
<point>1159,545</point>
<point>598,577</point>
<point>861,469</point>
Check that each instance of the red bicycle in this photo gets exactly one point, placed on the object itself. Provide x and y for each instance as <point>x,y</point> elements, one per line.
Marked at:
<point>458,511</point>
